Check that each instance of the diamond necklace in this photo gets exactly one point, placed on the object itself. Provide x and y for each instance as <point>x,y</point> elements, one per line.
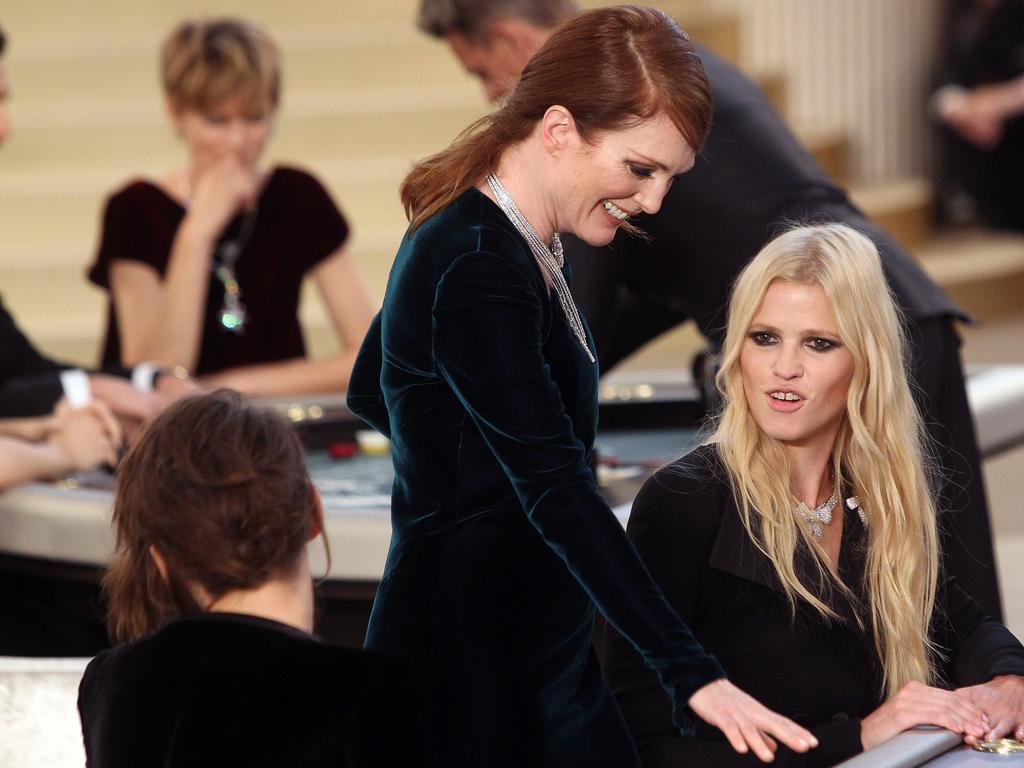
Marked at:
<point>821,514</point>
<point>550,260</point>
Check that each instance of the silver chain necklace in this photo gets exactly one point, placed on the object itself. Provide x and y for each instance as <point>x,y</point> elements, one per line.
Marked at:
<point>550,260</point>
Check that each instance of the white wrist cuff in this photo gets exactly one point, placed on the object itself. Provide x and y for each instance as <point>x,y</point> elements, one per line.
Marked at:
<point>143,375</point>
<point>76,387</point>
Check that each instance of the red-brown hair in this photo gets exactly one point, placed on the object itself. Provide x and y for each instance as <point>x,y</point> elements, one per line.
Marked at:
<point>219,485</point>
<point>610,67</point>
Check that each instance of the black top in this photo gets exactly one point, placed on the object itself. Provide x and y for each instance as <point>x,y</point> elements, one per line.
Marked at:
<point>752,181</point>
<point>501,544</point>
<point>29,382</point>
<point>297,226</point>
<point>223,689</point>
<point>824,674</point>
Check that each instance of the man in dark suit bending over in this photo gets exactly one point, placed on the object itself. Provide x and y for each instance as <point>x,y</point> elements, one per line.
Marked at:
<point>752,180</point>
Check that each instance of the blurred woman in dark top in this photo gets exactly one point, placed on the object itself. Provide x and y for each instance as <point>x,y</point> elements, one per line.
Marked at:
<point>210,585</point>
<point>205,265</point>
<point>800,543</point>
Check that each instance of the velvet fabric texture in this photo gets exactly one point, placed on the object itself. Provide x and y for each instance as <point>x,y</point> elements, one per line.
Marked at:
<point>501,544</point>
<point>226,689</point>
<point>297,226</point>
<point>824,674</point>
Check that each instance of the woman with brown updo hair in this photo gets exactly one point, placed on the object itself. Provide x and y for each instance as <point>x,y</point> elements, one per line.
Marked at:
<point>483,374</point>
<point>210,586</point>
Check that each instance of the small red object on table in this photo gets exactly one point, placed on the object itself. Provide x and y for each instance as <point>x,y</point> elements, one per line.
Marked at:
<point>342,450</point>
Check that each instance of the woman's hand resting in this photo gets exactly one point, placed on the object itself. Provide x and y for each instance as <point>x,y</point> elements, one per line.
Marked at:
<point>919,704</point>
<point>1002,700</point>
<point>746,723</point>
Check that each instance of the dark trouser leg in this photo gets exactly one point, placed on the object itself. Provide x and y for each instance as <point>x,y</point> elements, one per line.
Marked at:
<point>964,524</point>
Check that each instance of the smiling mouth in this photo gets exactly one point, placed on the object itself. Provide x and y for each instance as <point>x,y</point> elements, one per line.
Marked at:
<point>615,211</point>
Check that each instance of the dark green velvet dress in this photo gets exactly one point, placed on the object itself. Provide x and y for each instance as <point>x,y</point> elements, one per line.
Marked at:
<point>501,545</point>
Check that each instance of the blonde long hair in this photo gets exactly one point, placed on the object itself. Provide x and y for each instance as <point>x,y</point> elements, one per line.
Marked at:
<point>879,451</point>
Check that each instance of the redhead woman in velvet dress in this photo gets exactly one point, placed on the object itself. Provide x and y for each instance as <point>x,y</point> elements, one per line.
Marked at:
<point>801,543</point>
<point>483,375</point>
<point>205,265</point>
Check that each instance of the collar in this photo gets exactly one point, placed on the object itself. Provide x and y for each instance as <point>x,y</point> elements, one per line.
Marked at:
<point>734,553</point>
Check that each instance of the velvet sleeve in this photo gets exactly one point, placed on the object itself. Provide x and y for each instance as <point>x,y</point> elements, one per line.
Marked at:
<point>487,338</point>
<point>364,397</point>
<point>673,525</point>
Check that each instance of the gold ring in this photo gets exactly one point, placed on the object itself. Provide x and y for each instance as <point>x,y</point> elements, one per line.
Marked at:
<point>1000,746</point>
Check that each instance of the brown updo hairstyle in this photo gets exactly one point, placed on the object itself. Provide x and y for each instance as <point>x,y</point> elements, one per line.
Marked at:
<point>219,486</point>
<point>610,67</point>
<point>207,62</point>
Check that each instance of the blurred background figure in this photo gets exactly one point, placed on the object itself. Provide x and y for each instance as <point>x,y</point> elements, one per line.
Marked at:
<point>32,384</point>
<point>46,448</point>
<point>204,266</point>
<point>210,586</point>
<point>980,104</point>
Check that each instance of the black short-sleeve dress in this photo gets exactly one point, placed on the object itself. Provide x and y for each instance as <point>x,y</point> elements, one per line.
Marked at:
<point>295,226</point>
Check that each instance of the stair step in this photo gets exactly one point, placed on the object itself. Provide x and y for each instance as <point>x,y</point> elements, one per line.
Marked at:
<point>410,121</point>
<point>832,151</point>
<point>312,59</point>
<point>718,30</point>
<point>901,207</point>
<point>983,270</point>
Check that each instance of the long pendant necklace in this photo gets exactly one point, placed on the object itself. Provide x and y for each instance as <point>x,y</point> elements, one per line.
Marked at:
<point>233,313</point>
<point>550,260</point>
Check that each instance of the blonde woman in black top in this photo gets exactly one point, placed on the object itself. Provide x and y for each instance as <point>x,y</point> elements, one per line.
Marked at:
<point>800,544</point>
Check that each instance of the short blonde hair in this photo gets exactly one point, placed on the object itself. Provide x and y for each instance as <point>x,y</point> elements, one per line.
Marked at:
<point>209,61</point>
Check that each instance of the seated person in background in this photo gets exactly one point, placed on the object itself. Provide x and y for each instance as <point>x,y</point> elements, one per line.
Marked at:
<point>981,106</point>
<point>800,543</point>
<point>44,448</point>
<point>30,383</point>
<point>205,265</point>
<point>210,584</point>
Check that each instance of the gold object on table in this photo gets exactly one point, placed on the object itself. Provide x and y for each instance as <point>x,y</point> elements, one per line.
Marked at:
<point>1001,746</point>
